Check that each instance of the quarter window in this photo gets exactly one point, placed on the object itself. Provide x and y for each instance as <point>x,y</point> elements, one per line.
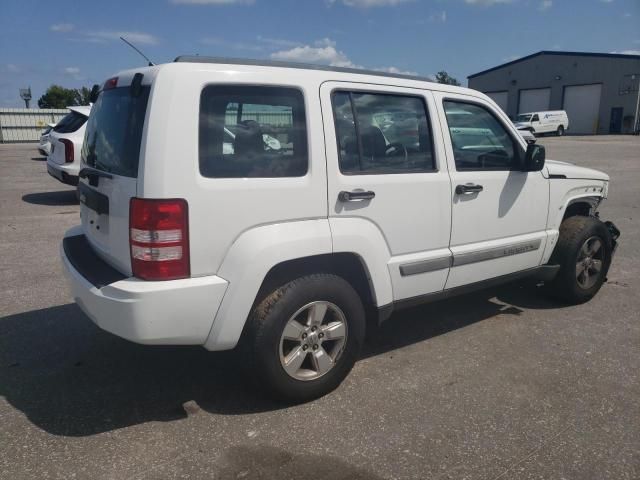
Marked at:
<point>250,131</point>
<point>381,133</point>
<point>479,140</point>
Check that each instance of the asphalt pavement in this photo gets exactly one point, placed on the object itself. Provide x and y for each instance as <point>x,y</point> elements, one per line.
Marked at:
<point>502,384</point>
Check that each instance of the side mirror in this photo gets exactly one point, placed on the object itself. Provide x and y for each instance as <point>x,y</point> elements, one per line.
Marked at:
<point>534,158</point>
<point>95,91</point>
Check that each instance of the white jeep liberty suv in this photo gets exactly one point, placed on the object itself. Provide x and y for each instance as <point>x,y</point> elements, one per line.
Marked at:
<point>274,206</point>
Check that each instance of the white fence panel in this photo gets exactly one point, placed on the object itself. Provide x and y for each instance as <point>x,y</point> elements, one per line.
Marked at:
<point>26,124</point>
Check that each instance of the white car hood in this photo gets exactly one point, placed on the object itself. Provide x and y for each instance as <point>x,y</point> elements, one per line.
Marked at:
<point>569,170</point>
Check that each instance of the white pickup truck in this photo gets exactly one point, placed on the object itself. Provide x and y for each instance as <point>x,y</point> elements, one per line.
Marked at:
<point>384,191</point>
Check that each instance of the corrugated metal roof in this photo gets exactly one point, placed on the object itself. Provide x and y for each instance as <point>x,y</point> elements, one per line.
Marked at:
<point>554,52</point>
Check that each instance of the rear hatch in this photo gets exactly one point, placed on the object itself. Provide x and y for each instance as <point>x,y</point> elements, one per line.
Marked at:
<point>70,123</point>
<point>109,170</point>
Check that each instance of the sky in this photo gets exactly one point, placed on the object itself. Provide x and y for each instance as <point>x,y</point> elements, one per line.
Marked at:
<point>75,43</point>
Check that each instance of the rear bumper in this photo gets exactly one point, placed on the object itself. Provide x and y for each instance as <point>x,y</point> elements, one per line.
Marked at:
<point>62,174</point>
<point>175,312</point>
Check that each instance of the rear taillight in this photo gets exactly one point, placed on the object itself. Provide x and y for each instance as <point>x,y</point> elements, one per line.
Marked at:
<point>159,239</point>
<point>68,150</point>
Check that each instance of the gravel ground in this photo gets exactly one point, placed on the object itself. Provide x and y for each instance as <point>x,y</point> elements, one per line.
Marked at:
<point>503,384</point>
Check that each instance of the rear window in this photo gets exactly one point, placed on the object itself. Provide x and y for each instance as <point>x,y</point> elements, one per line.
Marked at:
<point>251,131</point>
<point>114,132</point>
<point>70,123</point>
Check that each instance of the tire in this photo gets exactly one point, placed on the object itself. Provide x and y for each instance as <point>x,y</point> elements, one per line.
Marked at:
<point>560,131</point>
<point>579,235</point>
<point>268,349</point>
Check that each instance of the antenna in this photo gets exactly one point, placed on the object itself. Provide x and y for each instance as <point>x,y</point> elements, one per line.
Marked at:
<point>25,94</point>
<point>151,64</point>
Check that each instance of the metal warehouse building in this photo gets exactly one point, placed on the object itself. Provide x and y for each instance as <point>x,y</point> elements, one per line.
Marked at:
<point>599,91</point>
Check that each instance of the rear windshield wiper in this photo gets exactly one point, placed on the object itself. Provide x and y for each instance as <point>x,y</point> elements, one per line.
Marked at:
<point>93,175</point>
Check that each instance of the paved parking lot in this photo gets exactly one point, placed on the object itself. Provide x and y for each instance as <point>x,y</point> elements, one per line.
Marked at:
<point>503,384</point>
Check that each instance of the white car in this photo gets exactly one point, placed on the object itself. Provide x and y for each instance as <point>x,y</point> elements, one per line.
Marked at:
<point>284,252</point>
<point>543,122</point>
<point>63,161</point>
<point>44,147</point>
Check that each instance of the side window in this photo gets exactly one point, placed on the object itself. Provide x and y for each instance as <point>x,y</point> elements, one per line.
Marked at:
<point>382,133</point>
<point>479,140</point>
<point>250,131</point>
<point>70,123</point>
<point>535,118</point>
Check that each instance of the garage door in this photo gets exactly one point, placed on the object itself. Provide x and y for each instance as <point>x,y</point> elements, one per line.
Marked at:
<point>582,104</point>
<point>501,98</point>
<point>535,100</point>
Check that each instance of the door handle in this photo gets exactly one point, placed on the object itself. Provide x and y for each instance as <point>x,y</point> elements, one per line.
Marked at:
<point>468,189</point>
<point>356,195</point>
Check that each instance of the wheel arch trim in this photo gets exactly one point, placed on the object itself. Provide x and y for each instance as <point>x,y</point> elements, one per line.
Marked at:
<point>259,250</point>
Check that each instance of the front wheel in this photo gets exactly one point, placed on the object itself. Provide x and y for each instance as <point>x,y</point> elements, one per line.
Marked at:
<point>583,252</point>
<point>305,337</point>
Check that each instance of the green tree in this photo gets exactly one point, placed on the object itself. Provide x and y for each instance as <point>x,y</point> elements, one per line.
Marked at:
<point>82,95</point>
<point>58,97</point>
<point>444,77</point>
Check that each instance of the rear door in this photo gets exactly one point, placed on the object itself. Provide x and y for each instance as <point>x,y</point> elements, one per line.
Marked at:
<point>68,125</point>
<point>385,169</point>
<point>110,155</point>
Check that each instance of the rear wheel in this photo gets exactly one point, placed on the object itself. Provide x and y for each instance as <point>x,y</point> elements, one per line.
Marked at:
<point>305,337</point>
<point>560,131</point>
<point>584,255</point>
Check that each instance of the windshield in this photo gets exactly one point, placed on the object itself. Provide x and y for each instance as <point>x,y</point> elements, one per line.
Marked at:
<point>523,118</point>
<point>114,132</point>
<point>70,123</point>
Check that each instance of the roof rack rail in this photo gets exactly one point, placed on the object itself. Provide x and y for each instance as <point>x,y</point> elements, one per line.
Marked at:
<point>301,66</point>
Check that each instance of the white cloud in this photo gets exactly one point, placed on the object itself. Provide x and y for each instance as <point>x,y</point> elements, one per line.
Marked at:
<point>325,52</point>
<point>629,52</point>
<point>396,70</point>
<point>12,68</point>
<point>438,17</point>
<point>370,3</point>
<point>62,27</point>
<point>627,15</point>
<point>212,2</point>
<point>546,4</point>
<point>137,38</point>
<point>606,1</point>
<point>486,3</point>
<point>511,58</point>
<point>73,72</point>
